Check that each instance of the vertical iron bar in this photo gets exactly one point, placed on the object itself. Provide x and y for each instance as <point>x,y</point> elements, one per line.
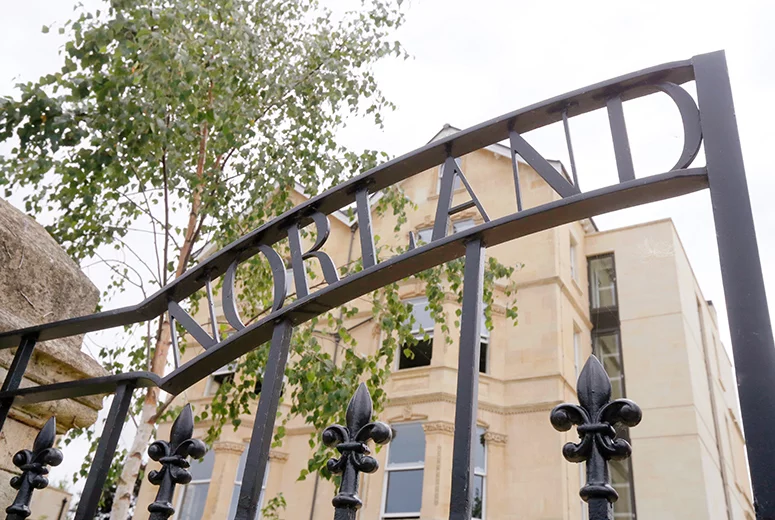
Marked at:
<point>741,272</point>
<point>16,373</point>
<point>461,497</point>
<point>566,126</point>
<point>173,340</point>
<point>368,252</point>
<point>263,426</point>
<point>515,168</point>
<point>106,449</point>
<point>621,142</point>
<point>211,308</point>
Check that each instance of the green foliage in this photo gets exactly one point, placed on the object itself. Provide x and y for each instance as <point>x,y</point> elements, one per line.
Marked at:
<point>175,123</point>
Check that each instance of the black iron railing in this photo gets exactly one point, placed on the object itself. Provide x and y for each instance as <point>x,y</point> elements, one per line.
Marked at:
<point>713,120</point>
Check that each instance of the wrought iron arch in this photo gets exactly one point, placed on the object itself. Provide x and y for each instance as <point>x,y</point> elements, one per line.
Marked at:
<point>711,119</point>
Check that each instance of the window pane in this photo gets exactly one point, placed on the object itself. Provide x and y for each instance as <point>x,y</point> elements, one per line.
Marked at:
<point>478,509</point>
<point>424,235</point>
<point>193,503</point>
<point>421,354</point>
<point>602,282</point>
<point>483,352</point>
<point>480,451</point>
<point>201,470</point>
<point>408,444</point>
<point>462,225</point>
<point>621,482</point>
<point>573,270</point>
<point>457,183</point>
<point>606,348</point>
<point>422,315</point>
<point>404,491</point>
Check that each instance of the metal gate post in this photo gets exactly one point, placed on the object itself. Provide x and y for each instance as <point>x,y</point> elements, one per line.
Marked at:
<point>106,449</point>
<point>16,373</point>
<point>461,496</point>
<point>263,426</point>
<point>749,319</point>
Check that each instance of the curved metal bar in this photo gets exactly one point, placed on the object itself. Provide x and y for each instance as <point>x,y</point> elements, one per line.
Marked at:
<point>638,191</point>
<point>540,114</point>
<point>611,198</point>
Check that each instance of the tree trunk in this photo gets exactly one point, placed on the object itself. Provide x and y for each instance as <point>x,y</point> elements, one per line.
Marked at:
<point>123,499</point>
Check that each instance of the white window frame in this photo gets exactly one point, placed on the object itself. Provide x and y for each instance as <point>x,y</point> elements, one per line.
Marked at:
<point>184,490</point>
<point>419,233</point>
<point>457,183</point>
<point>238,482</point>
<point>290,283</point>
<point>597,289</point>
<point>416,331</point>
<point>467,223</point>
<point>576,351</point>
<point>574,271</point>
<point>484,337</point>
<point>225,370</point>
<point>482,472</point>
<point>393,468</point>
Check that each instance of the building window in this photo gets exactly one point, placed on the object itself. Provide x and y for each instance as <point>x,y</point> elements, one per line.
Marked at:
<point>602,282</point>
<point>404,472</point>
<point>574,272</point>
<point>219,377</point>
<point>456,184</point>
<point>621,481</point>
<point>462,225</point>
<point>606,348</point>
<point>424,236</point>
<point>290,286</point>
<point>606,345</point>
<point>480,475</point>
<point>238,486</point>
<point>576,351</point>
<point>421,349</point>
<point>194,496</point>
<point>484,346</point>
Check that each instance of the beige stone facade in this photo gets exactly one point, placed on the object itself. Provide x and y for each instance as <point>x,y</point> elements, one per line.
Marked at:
<point>39,283</point>
<point>689,453</point>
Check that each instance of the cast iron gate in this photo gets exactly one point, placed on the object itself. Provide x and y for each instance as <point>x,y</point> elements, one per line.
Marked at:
<point>711,118</point>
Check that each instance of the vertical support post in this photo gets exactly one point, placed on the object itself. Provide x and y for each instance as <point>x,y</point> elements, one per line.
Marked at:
<point>621,141</point>
<point>15,374</point>
<point>566,126</point>
<point>263,426</point>
<point>106,449</point>
<point>741,272</point>
<point>461,497</point>
<point>368,252</point>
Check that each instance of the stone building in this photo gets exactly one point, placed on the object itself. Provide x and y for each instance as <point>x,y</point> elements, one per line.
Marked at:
<point>628,295</point>
<point>39,283</point>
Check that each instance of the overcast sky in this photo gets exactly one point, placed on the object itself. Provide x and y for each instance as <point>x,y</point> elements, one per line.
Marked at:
<point>472,61</point>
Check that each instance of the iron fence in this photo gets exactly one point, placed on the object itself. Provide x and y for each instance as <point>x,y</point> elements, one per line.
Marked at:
<point>711,119</point>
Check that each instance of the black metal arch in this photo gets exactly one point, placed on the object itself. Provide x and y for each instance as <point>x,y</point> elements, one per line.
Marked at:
<point>713,120</point>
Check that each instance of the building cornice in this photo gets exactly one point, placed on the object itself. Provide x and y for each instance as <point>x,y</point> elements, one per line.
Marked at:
<point>278,456</point>
<point>439,427</point>
<point>229,447</point>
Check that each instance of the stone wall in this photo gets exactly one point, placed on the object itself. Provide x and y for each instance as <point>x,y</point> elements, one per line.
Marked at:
<point>39,283</point>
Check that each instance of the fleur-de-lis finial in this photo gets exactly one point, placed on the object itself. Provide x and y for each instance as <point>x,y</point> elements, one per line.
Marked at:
<point>33,465</point>
<point>173,457</point>
<point>595,420</point>
<point>355,457</point>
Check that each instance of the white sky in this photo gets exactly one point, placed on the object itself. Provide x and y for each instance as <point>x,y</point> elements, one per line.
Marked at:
<point>476,60</point>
